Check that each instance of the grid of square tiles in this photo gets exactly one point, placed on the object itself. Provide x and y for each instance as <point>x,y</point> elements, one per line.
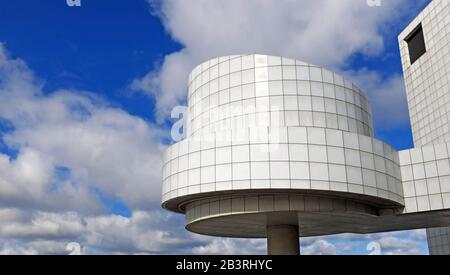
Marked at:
<point>270,203</point>
<point>235,91</point>
<point>428,92</point>
<point>428,79</point>
<point>300,158</point>
<point>426,177</point>
<point>438,239</point>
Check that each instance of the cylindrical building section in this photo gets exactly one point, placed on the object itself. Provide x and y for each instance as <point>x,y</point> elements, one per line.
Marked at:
<point>269,91</point>
<point>272,141</point>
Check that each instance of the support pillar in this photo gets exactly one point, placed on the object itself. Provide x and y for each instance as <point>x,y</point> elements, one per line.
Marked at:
<point>283,240</point>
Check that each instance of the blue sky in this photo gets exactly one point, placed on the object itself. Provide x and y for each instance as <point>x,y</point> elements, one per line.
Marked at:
<point>103,45</point>
<point>107,54</point>
<point>100,47</point>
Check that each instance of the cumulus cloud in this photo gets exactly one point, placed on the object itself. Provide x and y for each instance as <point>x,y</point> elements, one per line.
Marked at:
<point>320,247</point>
<point>43,224</point>
<point>14,249</point>
<point>390,243</point>
<point>387,97</point>
<point>393,245</point>
<point>145,232</point>
<point>226,246</point>
<point>49,233</point>
<point>323,32</point>
<point>73,149</point>
<point>102,148</point>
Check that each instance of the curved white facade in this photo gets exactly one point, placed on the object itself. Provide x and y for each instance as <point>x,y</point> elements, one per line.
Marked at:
<point>267,91</point>
<point>270,126</point>
<point>277,144</point>
<point>300,159</point>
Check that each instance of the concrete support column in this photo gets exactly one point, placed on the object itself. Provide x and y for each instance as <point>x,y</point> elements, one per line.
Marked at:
<point>283,240</point>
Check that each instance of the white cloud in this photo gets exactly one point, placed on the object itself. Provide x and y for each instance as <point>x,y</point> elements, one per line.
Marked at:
<point>393,245</point>
<point>101,148</point>
<point>226,246</point>
<point>390,243</point>
<point>323,32</point>
<point>14,249</point>
<point>44,224</point>
<point>25,232</point>
<point>143,232</point>
<point>149,232</point>
<point>319,247</point>
<point>387,97</point>
<point>104,148</point>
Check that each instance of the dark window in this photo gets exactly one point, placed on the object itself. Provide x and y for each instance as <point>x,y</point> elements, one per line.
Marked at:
<point>416,44</point>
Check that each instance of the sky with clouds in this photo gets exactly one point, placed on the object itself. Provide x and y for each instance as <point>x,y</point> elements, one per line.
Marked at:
<point>85,98</point>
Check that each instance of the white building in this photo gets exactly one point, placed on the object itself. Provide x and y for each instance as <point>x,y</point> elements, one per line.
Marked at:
<point>280,149</point>
<point>425,52</point>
